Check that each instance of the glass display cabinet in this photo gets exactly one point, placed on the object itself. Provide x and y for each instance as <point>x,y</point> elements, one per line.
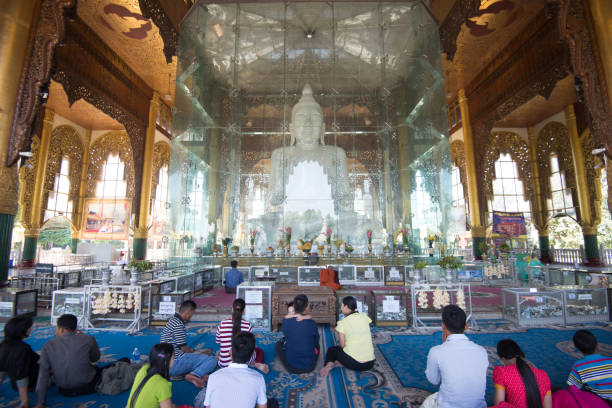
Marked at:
<point>584,304</point>
<point>244,270</point>
<point>369,275</point>
<point>258,299</point>
<point>184,283</point>
<point>199,281</point>
<point>471,272</point>
<point>17,302</point>
<point>390,307</point>
<point>395,275</point>
<point>532,306</point>
<point>165,305</point>
<point>114,307</point>
<point>44,285</point>
<point>363,298</point>
<point>562,276</point>
<point>259,271</point>
<point>432,274</point>
<point>534,274</point>
<point>69,278</point>
<point>427,301</point>
<point>73,301</point>
<point>285,274</point>
<point>309,275</point>
<point>346,273</point>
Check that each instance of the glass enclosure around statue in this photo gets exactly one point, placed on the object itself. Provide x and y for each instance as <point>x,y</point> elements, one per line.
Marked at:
<point>309,115</point>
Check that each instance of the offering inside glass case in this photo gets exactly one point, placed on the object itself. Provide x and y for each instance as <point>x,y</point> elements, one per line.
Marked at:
<point>285,274</point>
<point>257,297</point>
<point>390,308</point>
<point>529,306</point>
<point>395,275</point>
<point>71,301</point>
<point>370,275</point>
<point>309,275</point>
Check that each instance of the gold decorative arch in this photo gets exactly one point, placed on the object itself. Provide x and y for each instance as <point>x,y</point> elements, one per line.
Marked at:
<point>114,142</point>
<point>509,143</point>
<point>593,175</point>
<point>554,139</point>
<point>65,142</point>
<point>161,158</point>
<point>457,150</point>
<point>27,181</point>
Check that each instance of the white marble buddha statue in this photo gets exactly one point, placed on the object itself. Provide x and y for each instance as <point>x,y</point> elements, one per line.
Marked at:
<point>308,145</point>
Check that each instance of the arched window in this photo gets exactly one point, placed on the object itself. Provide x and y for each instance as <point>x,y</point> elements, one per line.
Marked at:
<point>59,202</point>
<point>161,192</point>
<point>508,194</point>
<point>458,193</point>
<point>561,201</point>
<point>112,184</point>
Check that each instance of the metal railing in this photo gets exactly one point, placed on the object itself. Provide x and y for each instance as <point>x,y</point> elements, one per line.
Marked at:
<point>568,256</point>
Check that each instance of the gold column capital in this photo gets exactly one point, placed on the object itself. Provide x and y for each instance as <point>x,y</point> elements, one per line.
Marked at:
<point>479,231</point>
<point>461,95</point>
<point>32,232</point>
<point>141,233</point>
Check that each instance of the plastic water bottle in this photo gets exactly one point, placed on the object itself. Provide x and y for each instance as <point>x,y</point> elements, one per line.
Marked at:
<point>136,355</point>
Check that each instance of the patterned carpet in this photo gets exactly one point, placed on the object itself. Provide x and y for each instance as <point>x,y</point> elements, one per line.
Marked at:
<point>397,379</point>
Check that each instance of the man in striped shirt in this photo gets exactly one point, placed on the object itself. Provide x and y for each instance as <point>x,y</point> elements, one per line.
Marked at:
<point>193,365</point>
<point>592,373</point>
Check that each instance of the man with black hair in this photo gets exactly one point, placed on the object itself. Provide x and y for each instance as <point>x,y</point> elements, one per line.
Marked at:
<point>593,372</point>
<point>233,278</point>
<point>299,350</point>
<point>193,365</point>
<point>70,360</point>
<point>222,390</point>
<point>458,365</point>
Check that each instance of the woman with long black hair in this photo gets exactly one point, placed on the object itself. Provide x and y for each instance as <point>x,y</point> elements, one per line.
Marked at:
<point>229,328</point>
<point>152,387</point>
<point>17,359</point>
<point>516,383</point>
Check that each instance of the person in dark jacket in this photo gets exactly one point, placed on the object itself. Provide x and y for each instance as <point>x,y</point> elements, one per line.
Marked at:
<point>17,359</point>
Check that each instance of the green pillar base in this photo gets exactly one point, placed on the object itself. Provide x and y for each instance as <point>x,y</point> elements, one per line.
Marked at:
<point>476,241</point>
<point>544,249</point>
<point>28,259</point>
<point>140,248</point>
<point>6,235</point>
<point>591,250</point>
<point>74,244</point>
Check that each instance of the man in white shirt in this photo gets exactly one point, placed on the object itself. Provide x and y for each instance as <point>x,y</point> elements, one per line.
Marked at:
<point>458,365</point>
<point>237,385</point>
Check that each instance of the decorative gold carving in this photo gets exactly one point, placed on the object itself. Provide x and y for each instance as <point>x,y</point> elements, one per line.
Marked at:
<point>510,143</point>
<point>161,158</point>
<point>593,177</point>
<point>152,9</point>
<point>553,138</point>
<point>49,31</point>
<point>461,11</point>
<point>115,142</point>
<point>27,179</point>
<point>65,142</point>
<point>573,28</point>
<point>9,180</point>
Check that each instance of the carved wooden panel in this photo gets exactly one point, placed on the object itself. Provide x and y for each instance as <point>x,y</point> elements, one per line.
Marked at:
<point>320,298</point>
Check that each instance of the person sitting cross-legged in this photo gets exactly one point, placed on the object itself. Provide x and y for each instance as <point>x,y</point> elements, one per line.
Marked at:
<point>236,385</point>
<point>187,362</point>
<point>355,350</point>
<point>233,278</point>
<point>458,365</point>
<point>152,388</point>
<point>592,373</point>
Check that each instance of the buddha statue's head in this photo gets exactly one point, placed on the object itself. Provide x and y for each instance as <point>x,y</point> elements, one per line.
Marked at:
<point>307,125</point>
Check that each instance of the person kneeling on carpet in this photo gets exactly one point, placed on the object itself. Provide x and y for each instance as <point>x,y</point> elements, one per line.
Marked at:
<point>222,391</point>
<point>355,350</point>
<point>152,388</point>
<point>458,365</point>
<point>299,350</point>
<point>187,362</point>
<point>518,385</point>
<point>233,278</point>
<point>70,360</point>
<point>228,329</point>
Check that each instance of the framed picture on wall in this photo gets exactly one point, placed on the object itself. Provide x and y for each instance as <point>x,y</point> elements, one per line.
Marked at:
<point>106,219</point>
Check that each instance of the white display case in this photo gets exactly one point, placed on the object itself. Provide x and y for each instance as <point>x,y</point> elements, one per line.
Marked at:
<point>395,275</point>
<point>73,301</point>
<point>428,300</point>
<point>258,299</point>
<point>471,272</point>
<point>17,302</point>
<point>583,305</point>
<point>346,273</point>
<point>165,305</point>
<point>363,298</point>
<point>309,275</point>
<point>390,307</point>
<point>370,275</point>
<point>244,270</point>
<point>114,307</point>
<point>533,306</point>
<point>285,274</point>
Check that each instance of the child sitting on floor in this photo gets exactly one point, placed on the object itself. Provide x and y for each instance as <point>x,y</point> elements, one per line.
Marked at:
<point>291,313</point>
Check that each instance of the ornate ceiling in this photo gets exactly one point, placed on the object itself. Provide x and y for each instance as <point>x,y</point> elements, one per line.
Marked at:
<point>134,38</point>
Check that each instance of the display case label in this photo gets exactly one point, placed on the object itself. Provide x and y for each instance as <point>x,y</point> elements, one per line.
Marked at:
<point>369,273</point>
<point>199,281</point>
<point>284,273</point>
<point>585,296</point>
<point>539,299</point>
<point>391,306</point>
<point>72,300</point>
<point>253,296</point>
<point>253,312</point>
<point>167,298</point>
<point>533,290</point>
<point>571,296</point>
<point>6,305</point>
<point>167,308</point>
<point>394,273</point>
<point>260,273</point>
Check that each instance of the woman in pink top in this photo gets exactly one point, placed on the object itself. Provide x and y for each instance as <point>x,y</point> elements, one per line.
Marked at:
<point>228,328</point>
<point>516,383</point>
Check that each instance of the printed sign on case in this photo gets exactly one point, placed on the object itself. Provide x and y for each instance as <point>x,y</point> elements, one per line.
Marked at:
<point>391,306</point>
<point>369,273</point>
<point>253,312</point>
<point>394,273</point>
<point>253,296</point>
<point>167,308</point>
<point>199,281</point>
<point>360,306</point>
<point>585,296</point>
<point>72,300</point>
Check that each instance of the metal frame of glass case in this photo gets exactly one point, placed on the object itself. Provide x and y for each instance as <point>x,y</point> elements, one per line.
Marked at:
<point>161,310</point>
<point>347,274</point>
<point>421,293</point>
<point>260,312</point>
<point>285,274</point>
<point>585,304</point>
<point>113,318</point>
<point>399,275</point>
<point>13,302</point>
<point>71,300</point>
<point>309,275</point>
<point>533,306</point>
<point>386,318</point>
<point>369,275</point>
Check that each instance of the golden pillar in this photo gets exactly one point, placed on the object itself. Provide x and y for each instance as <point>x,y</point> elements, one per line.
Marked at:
<point>540,206</point>
<point>478,229</point>
<point>588,220</point>
<point>80,208</point>
<point>601,16</point>
<point>142,231</point>
<point>16,18</point>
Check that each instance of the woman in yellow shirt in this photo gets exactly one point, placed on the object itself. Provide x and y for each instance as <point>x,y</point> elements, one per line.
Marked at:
<point>355,350</point>
<point>152,388</point>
